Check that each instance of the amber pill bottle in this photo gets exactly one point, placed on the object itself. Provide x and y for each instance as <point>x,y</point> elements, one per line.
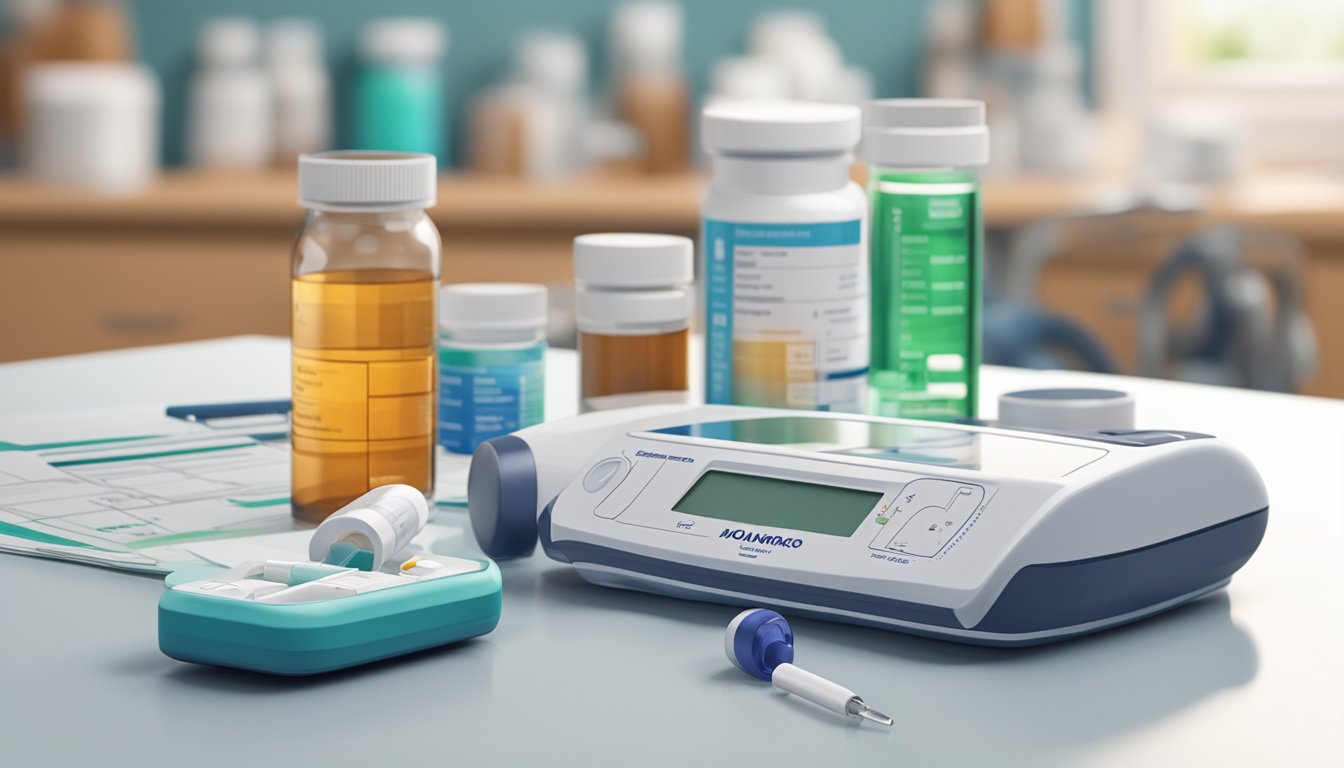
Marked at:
<point>633,311</point>
<point>364,328</point>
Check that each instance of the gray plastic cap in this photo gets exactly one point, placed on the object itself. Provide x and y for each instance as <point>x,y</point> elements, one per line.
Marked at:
<point>1073,410</point>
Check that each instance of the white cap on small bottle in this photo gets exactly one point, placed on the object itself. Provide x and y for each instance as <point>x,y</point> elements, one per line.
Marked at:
<point>631,260</point>
<point>365,180</point>
<point>779,128</point>
<point>632,283</point>
<point>492,307</point>
<point>403,41</point>
<point>925,133</point>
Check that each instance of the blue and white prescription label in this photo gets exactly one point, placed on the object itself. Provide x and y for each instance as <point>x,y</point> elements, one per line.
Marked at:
<point>786,314</point>
<point>485,393</point>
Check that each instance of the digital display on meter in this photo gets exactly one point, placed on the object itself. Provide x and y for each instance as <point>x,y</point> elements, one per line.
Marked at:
<point>778,503</point>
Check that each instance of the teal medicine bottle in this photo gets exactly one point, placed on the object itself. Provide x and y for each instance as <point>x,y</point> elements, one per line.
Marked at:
<point>926,262</point>
<point>397,92</point>
<point>492,368</point>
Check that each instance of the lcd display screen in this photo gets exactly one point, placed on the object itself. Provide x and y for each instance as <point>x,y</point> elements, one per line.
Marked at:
<point>778,503</point>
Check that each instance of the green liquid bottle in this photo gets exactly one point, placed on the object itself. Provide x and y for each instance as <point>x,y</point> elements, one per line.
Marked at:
<point>927,264</point>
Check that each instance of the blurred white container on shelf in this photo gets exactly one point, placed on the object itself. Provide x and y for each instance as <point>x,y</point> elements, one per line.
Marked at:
<point>93,125</point>
<point>852,85</point>
<point>797,42</point>
<point>230,123</point>
<point>648,85</point>
<point>535,124</point>
<point>554,65</point>
<point>749,78</point>
<point>1058,135</point>
<point>302,88</point>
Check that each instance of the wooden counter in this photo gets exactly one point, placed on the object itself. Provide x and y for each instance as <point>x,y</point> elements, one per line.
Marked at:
<point>199,255</point>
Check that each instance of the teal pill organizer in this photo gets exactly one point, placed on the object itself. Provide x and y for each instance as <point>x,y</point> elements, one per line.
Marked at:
<point>359,598</point>
<point>308,618</point>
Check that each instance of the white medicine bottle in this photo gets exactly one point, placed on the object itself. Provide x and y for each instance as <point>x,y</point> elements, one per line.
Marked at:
<point>230,119</point>
<point>784,257</point>
<point>492,366</point>
<point>301,86</point>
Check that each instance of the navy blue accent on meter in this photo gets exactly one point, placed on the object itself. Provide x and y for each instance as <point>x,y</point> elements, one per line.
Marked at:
<point>1047,597</point>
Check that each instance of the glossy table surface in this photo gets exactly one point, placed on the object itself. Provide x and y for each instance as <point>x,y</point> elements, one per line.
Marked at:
<point>580,675</point>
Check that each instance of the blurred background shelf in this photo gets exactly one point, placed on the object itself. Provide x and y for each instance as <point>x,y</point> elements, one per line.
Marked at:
<point>200,255</point>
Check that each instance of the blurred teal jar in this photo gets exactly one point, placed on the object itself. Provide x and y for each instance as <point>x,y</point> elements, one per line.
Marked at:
<point>397,97</point>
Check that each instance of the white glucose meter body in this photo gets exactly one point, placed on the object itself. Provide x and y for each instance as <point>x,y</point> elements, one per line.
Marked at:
<point>971,533</point>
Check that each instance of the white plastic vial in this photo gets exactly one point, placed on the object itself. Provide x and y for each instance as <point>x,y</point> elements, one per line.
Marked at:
<point>784,257</point>
<point>492,367</point>
<point>230,124</point>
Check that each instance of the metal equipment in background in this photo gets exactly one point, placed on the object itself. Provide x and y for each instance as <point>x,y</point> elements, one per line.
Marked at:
<point>1249,329</point>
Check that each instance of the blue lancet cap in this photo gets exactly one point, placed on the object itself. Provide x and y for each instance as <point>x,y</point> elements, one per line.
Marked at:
<point>757,641</point>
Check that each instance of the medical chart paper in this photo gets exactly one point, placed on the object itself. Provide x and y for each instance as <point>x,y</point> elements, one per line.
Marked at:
<point>129,488</point>
<point>137,490</point>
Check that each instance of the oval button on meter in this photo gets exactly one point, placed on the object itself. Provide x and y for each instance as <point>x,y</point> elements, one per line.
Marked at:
<point>602,473</point>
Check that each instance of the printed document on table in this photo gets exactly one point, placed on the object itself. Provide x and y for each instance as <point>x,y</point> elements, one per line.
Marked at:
<point>131,488</point>
<point>135,489</point>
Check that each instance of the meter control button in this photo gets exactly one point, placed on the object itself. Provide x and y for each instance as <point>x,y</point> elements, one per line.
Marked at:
<point>602,473</point>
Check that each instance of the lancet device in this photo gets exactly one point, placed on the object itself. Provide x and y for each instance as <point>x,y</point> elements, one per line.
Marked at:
<point>760,643</point>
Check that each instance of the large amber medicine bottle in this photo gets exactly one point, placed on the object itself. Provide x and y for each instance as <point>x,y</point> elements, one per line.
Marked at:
<point>363,325</point>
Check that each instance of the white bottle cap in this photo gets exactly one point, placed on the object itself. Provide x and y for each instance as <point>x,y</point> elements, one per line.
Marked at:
<point>742,78</point>
<point>556,62</point>
<point>631,261</point>
<point>926,133</point>
<point>779,128</point>
<point>633,284</point>
<point>492,307</point>
<point>1067,409</point>
<point>294,40</point>
<point>646,37</point>
<point>403,41</point>
<point>229,42</point>
<point>774,33</point>
<point>365,180</point>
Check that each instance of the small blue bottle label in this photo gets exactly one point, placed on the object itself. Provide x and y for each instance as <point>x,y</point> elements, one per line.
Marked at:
<point>488,393</point>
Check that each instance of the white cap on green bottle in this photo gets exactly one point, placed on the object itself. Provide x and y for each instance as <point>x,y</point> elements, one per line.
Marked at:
<point>925,133</point>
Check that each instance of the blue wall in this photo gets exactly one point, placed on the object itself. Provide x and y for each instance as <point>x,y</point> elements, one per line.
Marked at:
<point>882,35</point>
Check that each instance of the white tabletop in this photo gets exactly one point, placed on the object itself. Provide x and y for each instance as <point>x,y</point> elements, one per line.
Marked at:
<point>578,674</point>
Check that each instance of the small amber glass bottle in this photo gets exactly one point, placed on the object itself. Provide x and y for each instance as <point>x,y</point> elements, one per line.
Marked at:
<point>364,328</point>
<point>634,308</point>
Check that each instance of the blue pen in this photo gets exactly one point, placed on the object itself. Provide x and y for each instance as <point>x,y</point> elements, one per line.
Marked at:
<point>204,414</point>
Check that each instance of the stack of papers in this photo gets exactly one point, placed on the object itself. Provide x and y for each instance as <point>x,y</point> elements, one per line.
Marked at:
<point>140,490</point>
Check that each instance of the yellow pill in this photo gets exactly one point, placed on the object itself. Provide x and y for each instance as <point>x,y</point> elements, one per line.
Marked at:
<point>409,564</point>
